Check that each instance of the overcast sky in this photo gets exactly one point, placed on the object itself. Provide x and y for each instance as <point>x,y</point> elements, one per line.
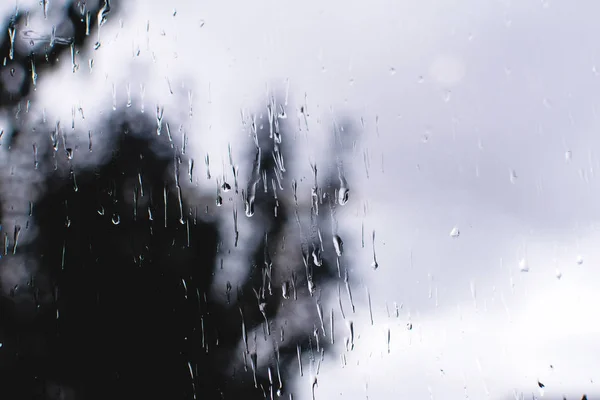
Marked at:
<point>478,119</point>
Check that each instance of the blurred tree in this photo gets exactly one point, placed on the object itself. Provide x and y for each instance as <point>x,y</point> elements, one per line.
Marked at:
<point>120,305</point>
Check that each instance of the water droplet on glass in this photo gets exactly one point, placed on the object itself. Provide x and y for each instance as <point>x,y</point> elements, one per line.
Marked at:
<point>313,385</point>
<point>513,176</point>
<point>34,74</point>
<point>316,254</point>
<point>228,291</point>
<point>128,91</point>
<point>350,338</point>
<point>338,245</point>
<point>254,180</point>
<point>207,163</point>
<point>454,233</point>
<point>568,155</point>
<point>374,264</point>
<point>311,286</point>
<point>285,290</point>
<point>35,156</point>
<point>116,219</point>
<point>11,35</point>
<point>579,260</point>
<point>524,265</point>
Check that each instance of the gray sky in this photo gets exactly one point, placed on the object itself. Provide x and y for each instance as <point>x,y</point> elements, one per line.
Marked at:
<point>479,116</point>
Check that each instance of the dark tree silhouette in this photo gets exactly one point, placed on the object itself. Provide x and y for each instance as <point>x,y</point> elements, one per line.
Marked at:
<point>120,306</point>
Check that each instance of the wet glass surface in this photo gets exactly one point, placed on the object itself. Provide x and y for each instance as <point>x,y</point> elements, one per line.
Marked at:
<point>248,200</point>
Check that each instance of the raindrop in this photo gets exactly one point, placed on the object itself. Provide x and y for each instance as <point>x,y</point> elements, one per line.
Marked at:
<point>579,260</point>
<point>116,219</point>
<point>254,179</point>
<point>34,74</point>
<point>311,285</point>
<point>389,334</point>
<point>338,245</point>
<point>316,254</point>
<point>16,235</point>
<point>349,292</point>
<point>235,227</point>
<point>191,169</point>
<point>35,156</point>
<point>228,292</point>
<point>374,264</point>
<point>128,90</point>
<point>524,265</point>
<point>102,14</point>
<point>11,35</point>
<point>285,290</point>
<point>88,17</point>
<point>343,193</point>
<point>74,64</point>
<point>568,155</point>
<point>350,338</point>
<point>370,307</point>
<point>45,8</point>
<point>454,233</point>
<point>159,119</point>
<point>75,187</point>
<point>207,162</point>
<point>299,354</point>
<point>313,385</point>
